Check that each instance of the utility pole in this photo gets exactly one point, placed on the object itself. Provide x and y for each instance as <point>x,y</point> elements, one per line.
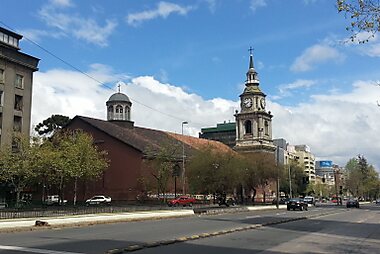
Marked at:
<point>290,181</point>
<point>183,162</point>
<point>278,179</point>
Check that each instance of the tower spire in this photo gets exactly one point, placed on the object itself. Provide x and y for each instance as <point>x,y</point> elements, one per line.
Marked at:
<point>252,76</point>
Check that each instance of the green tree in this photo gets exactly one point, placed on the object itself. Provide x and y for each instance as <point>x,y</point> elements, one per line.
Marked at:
<point>17,164</point>
<point>74,157</point>
<point>51,124</point>
<point>364,16</point>
<point>211,171</point>
<point>160,162</point>
<point>261,170</point>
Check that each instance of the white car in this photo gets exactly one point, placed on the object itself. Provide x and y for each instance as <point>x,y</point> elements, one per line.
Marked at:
<point>98,200</point>
<point>54,200</point>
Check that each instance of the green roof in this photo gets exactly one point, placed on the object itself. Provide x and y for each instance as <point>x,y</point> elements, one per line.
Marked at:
<point>220,127</point>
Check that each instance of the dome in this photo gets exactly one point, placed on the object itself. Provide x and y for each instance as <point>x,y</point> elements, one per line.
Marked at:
<point>118,97</point>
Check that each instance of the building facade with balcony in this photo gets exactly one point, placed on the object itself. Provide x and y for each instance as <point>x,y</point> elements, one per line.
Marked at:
<point>16,83</point>
<point>303,155</point>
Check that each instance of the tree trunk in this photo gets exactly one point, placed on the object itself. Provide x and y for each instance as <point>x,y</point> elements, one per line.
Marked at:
<point>75,190</point>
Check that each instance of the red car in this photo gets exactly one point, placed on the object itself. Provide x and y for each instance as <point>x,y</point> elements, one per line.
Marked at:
<point>182,200</point>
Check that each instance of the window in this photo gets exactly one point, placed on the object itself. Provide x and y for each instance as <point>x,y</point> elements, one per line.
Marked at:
<point>1,76</point>
<point>1,98</point>
<point>248,127</point>
<point>18,102</point>
<point>119,113</point>
<point>19,81</point>
<point>266,128</point>
<point>17,123</point>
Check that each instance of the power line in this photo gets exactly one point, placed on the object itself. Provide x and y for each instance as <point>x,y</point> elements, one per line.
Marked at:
<point>87,75</point>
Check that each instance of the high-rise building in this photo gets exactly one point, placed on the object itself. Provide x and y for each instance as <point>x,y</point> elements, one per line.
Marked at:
<point>306,159</point>
<point>16,83</point>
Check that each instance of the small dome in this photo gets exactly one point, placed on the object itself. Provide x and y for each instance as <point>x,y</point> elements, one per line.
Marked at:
<point>119,97</point>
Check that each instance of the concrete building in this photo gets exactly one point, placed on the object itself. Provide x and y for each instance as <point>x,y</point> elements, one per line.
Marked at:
<point>16,83</point>
<point>223,132</point>
<point>305,158</point>
<point>325,169</point>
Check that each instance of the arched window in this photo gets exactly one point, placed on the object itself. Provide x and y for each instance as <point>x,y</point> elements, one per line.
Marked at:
<point>110,109</point>
<point>119,113</point>
<point>266,128</point>
<point>127,112</point>
<point>248,127</point>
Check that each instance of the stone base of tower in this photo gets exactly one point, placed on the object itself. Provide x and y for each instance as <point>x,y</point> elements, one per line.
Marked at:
<point>262,148</point>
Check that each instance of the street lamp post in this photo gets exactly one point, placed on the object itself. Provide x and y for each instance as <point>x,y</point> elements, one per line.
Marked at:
<point>183,162</point>
<point>290,183</point>
<point>278,178</point>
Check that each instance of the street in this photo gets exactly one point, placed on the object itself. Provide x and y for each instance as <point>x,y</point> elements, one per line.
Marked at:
<point>328,229</point>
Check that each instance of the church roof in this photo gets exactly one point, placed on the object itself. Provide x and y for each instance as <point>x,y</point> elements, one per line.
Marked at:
<point>119,97</point>
<point>144,139</point>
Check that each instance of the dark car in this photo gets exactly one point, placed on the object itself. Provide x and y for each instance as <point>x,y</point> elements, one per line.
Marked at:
<point>352,203</point>
<point>297,203</point>
<point>182,200</point>
<point>281,201</point>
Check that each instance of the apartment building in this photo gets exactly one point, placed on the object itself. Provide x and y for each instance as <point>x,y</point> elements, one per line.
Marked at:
<point>16,83</point>
<point>305,158</point>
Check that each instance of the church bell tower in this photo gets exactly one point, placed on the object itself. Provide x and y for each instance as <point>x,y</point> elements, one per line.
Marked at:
<point>253,122</point>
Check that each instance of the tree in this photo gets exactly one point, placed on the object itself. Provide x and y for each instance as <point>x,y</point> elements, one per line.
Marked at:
<point>160,162</point>
<point>75,157</point>
<point>17,164</point>
<point>211,171</point>
<point>364,16</point>
<point>362,180</point>
<point>261,170</point>
<point>51,124</point>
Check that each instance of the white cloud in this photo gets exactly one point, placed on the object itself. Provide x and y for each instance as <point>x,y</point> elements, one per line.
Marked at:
<point>314,55</point>
<point>55,15</point>
<point>285,89</point>
<point>335,126</point>
<point>163,10</point>
<point>255,4</point>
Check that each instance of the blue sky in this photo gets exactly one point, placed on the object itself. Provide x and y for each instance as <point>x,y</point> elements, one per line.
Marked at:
<point>186,61</point>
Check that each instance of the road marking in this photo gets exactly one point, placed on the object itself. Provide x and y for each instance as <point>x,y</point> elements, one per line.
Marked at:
<point>252,217</point>
<point>280,213</point>
<point>33,250</point>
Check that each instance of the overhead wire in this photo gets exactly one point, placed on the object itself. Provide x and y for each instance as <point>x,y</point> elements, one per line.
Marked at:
<point>94,79</point>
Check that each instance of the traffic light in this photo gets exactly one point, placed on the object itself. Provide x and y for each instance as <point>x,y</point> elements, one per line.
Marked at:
<point>340,189</point>
<point>307,180</point>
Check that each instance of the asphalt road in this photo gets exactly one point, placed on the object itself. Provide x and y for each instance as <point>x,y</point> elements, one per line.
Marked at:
<point>329,229</point>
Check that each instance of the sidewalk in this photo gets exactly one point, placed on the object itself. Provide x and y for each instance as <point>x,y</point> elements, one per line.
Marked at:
<point>72,221</point>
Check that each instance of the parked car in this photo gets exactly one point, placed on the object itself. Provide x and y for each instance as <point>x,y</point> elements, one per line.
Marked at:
<point>182,200</point>
<point>310,200</point>
<point>98,200</point>
<point>54,200</point>
<point>297,203</point>
<point>377,201</point>
<point>281,201</point>
<point>352,203</point>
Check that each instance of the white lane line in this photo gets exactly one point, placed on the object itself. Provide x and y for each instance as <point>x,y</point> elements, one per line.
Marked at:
<point>252,217</point>
<point>280,213</point>
<point>33,250</point>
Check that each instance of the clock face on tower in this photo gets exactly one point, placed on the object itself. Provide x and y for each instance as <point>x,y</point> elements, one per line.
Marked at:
<point>247,102</point>
<point>262,103</point>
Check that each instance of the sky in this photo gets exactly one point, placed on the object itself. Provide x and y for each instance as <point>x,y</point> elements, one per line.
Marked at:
<point>186,61</point>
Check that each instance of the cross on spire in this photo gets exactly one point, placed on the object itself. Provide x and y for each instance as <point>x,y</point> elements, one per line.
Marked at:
<point>119,87</point>
<point>250,50</point>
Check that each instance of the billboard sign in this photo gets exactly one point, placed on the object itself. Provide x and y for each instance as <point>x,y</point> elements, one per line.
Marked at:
<point>325,164</point>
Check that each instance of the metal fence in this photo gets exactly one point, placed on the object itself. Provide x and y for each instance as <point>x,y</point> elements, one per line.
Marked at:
<point>13,213</point>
